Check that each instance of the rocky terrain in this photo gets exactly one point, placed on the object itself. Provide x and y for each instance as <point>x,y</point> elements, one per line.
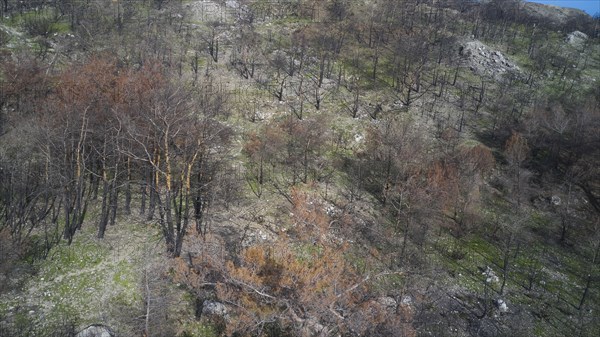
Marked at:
<point>556,15</point>
<point>486,61</point>
<point>294,169</point>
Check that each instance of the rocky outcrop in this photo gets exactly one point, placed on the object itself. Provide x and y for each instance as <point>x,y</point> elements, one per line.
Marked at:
<point>501,305</point>
<point>486,61</point>
<point>96,330</point>
<point>387,302</point>
<point>576,38</point>
<point>214,309</point>
<point>555,15</point>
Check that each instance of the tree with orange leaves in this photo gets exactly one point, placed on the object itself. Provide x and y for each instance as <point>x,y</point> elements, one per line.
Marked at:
<point>455,181</point>
<point>302,279</point>
<point>301,284</point>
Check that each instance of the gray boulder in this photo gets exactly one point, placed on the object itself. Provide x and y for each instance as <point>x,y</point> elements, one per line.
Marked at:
<point>96,330</point>
<point>213,308</point>
<point>576,38</point>
<point>501,305</point>
<point>388,303</point>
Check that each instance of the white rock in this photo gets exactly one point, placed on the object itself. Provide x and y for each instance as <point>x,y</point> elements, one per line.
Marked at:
<point>213,308</point>
<point>576,37</point>
<point>490,275</point>
<point>502,306</point>
<point>387,302</point>
<point>96,330</point>
<point>406,300</point>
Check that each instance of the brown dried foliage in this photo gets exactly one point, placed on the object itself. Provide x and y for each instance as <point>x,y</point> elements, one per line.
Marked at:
<point>303,283</point>
<point>302,276</point>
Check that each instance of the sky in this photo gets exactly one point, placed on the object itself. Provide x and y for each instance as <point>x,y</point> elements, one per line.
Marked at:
<point>590,6</point>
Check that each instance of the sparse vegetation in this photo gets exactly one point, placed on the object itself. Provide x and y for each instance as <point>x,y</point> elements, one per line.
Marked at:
<point>306,168</point>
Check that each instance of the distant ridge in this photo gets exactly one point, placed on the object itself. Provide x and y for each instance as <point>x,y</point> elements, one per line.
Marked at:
<point>590,7</point>
<point>558,15</point>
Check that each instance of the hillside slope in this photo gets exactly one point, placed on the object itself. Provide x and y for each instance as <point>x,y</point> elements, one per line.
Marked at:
<point>305,168</point>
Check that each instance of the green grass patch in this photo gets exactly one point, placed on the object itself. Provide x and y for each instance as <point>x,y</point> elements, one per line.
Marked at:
<point>482,253</point>
<point>307,252</point>
<point>386,283</point>
<point>89,281</point>
<point>42,22</point>
<point>61,27</point>
<point>77,256</point>
<point>199,329</point>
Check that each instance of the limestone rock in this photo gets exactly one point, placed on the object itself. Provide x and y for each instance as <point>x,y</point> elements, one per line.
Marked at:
<point>576,38</point>
<point>96,330</point>
<point>490,276</point>
<point>213,308</point>
<point>501,305</point>
<point>388,303</point>
<point>485,61</point>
